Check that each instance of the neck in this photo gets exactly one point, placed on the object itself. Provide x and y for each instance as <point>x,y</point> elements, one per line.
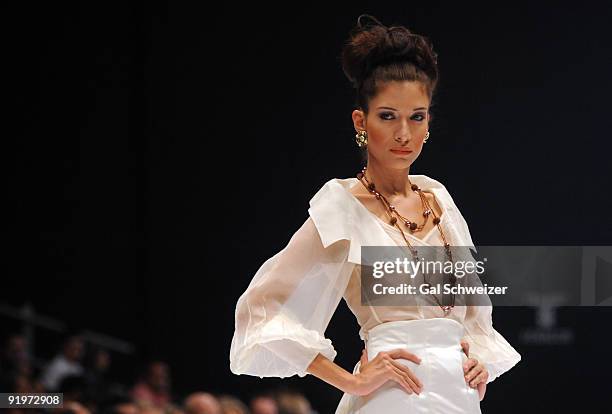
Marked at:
<point>389,182</point>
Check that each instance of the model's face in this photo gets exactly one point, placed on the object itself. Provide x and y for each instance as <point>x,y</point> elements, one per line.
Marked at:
<point>398,119</point>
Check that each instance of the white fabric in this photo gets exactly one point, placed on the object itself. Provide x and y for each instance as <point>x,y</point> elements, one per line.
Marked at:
<point>281,318</point>
<point>436,342</point>
<point>58,369</point>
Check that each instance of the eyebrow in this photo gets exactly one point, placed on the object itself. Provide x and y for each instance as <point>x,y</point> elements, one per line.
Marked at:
<point>388,107</point>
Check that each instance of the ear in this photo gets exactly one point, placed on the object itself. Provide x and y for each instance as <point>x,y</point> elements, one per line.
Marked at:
<point>359,119</point>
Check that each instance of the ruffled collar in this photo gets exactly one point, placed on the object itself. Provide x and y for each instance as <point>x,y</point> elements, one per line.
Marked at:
<point>339,215</point>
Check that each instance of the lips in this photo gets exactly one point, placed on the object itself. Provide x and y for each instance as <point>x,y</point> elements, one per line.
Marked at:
<point>400,151</point>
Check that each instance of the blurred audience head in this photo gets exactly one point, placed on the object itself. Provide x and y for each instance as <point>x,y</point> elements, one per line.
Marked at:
<point>22,383</point>
<point>74,407</point>
<point>74,348</point>
<point>150,395</point>
<point>16,347</point>
<point>147,408</point>
<point>292,402</point>
<point>126,408</point>
<point>121,404</point>
<point>173,409</point>
<point>100,360</point>
<point>263,404</point>
<point>202,403</point>
<point>15,358</point>
<point>232,405</point>
<point>158,376</point>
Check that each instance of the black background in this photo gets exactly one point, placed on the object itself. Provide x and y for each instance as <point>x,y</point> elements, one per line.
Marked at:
<point>157,154</point>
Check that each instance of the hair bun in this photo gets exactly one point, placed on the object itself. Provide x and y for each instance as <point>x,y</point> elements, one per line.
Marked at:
<point>372,44</point>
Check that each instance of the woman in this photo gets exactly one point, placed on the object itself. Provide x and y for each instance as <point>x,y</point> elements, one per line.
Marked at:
<point>417,358</point>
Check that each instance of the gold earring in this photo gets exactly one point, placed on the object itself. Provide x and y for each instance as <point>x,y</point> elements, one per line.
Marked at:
<point>361,138</point>
<point>426,137</point>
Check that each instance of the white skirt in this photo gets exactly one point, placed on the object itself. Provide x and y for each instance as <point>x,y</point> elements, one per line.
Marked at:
<point>437,342</point>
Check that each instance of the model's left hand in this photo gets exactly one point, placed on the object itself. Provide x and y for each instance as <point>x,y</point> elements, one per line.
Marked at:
<point>476,374</point>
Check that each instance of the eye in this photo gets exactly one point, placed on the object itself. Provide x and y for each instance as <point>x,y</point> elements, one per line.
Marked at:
<point>418,117</point>
<point>383,115</point>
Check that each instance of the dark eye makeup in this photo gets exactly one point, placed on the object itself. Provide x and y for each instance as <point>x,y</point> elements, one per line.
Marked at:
<point>387,116</point>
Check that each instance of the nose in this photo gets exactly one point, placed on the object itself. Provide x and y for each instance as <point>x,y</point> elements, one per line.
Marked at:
<point>404,134</point>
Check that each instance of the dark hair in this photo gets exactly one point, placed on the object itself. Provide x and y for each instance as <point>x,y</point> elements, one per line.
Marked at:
<point>375,53</point>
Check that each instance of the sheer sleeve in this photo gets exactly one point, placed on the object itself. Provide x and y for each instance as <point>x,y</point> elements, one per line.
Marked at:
<point>281,318</point>
<point>486,344</point>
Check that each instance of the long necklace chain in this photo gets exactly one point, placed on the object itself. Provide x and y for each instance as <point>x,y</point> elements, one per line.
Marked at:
<point>411,225</point>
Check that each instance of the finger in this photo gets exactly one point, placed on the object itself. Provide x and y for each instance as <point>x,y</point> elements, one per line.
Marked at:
<point>408,372</point>
<point>482,389</point>
<point>398,376</point>
<point>381,355</point>
<point>465,345</point>
<point>469,364</point>
<point>364,358</point>
<point>478,379</point>
<point>400,380</point>
<point>394,375</point>
<point>404,354</point>
<point>474,372</point>
<point>412,379</point>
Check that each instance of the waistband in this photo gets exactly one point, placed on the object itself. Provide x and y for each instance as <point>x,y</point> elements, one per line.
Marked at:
<point>431,332</point>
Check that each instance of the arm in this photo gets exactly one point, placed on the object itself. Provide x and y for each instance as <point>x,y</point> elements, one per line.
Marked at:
<point>371,375</point>
<point>489,354</point>
<point>281,318</point>
<point>333,374</point>
<point>486,344</point>
<point>476,373</point>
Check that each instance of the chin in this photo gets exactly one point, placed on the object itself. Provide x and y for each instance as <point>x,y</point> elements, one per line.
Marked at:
<point>400,164</point>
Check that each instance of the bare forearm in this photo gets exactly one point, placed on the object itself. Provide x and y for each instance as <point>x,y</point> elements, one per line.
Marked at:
<point>333,374</point>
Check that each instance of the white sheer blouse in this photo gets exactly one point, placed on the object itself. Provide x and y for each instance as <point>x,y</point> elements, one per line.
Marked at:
<point>282,316</point>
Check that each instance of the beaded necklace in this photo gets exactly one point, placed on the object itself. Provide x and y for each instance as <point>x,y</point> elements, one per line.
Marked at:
<point>411,225</point>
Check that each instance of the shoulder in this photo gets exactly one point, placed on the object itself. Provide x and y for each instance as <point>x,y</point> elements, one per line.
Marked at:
<point>335,199</point>
<point>338,215</point>
<point>333,190</point>
<point>425,181</point>
<point>448,204</point>
<point>435,186</point>
<point>331,208</point>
